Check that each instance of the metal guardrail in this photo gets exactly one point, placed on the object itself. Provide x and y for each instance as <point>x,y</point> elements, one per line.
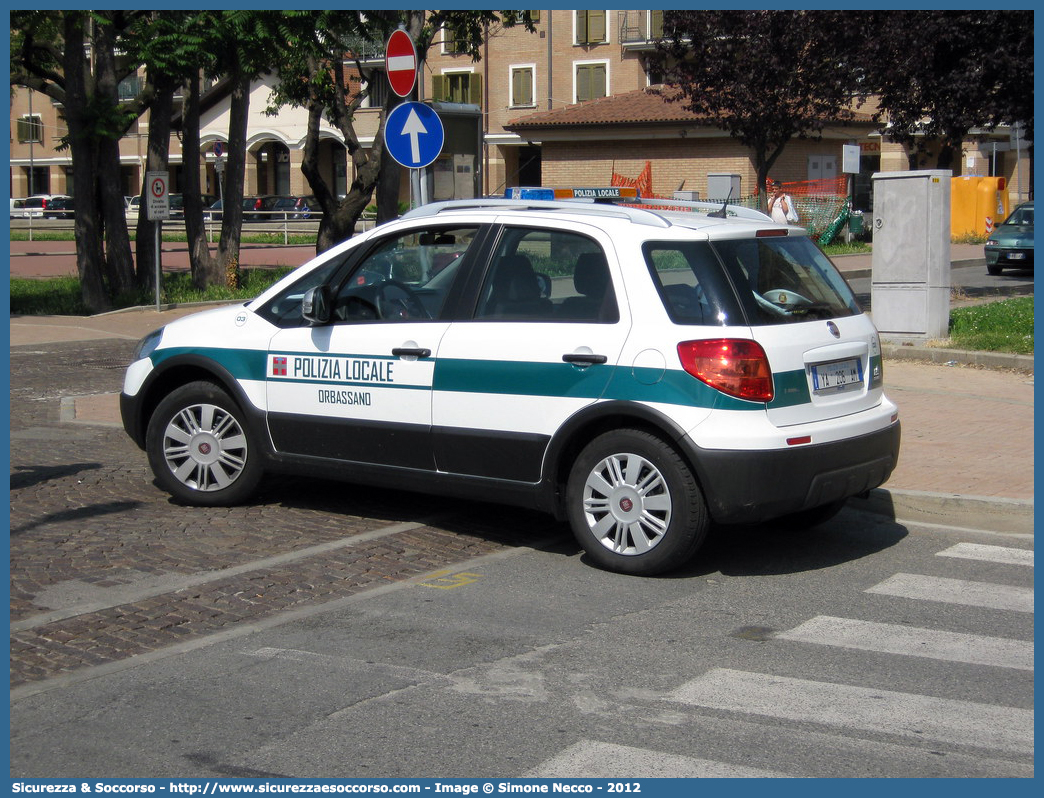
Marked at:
<point>277,222</point>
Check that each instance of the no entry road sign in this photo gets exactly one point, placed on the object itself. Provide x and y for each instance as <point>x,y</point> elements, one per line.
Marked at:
<point>400,62</point>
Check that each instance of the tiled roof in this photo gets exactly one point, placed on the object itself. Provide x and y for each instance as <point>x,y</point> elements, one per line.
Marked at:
<point>643,106</point>
<point>633,107</point>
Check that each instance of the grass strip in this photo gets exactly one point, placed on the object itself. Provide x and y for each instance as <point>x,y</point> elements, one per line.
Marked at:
<point>1002,326</point>
<point>60,296</point>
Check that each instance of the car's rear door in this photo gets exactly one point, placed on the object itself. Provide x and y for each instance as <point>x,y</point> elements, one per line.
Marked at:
<point>544,337</point>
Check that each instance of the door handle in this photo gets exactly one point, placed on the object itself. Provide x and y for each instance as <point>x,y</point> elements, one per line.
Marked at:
<point>584,360</point>
<point>404,351</point>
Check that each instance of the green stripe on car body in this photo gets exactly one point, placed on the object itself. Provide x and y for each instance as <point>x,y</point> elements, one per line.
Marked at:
<point>556,380</point>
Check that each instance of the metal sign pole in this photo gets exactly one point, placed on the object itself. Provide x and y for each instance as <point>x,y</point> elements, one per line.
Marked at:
<point>158,224</point>
<point>157,207</point>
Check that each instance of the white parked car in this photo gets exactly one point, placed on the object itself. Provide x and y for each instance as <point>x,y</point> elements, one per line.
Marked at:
<point>640,371</point>
<point>35,207</point>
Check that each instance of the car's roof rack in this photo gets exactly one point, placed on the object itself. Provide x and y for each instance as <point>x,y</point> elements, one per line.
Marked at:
<point>635,215</point>
<point>621,202</point>
<point>702,206</point>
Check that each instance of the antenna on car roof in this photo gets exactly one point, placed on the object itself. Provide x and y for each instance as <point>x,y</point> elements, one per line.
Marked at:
<point>721,214</point>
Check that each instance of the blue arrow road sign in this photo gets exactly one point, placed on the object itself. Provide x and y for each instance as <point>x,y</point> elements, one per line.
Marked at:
<point>414,134</point>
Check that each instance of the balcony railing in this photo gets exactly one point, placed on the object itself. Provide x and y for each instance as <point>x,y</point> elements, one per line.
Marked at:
<point>640,27</point>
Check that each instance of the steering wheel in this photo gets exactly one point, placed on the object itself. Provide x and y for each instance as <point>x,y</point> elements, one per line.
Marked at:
<point>405,306</point>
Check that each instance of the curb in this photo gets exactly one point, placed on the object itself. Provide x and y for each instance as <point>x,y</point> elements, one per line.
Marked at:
<point>170,306</point>
<point>986,513</point>
<point>958,357</point>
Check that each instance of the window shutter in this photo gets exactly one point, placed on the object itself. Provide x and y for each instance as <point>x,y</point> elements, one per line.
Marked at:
<point>581,27</point>
<point>439,88</point>
<point>656,25</point>
<point>583,84</point>
<point>596,26</point>
<point>526,95</point>
<point>597,81</point>
<point>517,83</point>
<point>475,89</point>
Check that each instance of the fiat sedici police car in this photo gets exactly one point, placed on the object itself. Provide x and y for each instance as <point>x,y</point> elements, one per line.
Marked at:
<point>642,370</point>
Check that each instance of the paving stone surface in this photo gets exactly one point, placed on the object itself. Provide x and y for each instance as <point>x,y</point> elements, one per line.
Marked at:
<point>89,527</point>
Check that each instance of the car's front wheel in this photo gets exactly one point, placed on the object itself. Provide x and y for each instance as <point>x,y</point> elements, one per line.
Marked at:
<point>200,447</point>
<point>634,504</point>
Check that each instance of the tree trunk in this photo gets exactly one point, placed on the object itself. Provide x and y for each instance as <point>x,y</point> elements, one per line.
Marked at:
<point>235,170</point>
<point>157,160</point>
<point>206,269</point>
<point>119,265</point>
<point>338,221</point>
<point>339,217</point>
<point>86,226</point>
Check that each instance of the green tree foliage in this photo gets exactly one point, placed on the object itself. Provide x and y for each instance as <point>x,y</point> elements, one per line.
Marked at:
<point>766,77</point>
<point>312,71</point>
<point>769,76</point>
<point>939,74</point>
<point>75,58</point>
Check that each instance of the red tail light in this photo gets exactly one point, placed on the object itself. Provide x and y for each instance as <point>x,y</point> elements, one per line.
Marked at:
<point>736,367</point>
<point>257,204</point>
<point>43,205</point>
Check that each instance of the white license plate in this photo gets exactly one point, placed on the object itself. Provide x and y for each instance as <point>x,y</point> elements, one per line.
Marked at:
<point>1016,255</point>
<point>837,375</point>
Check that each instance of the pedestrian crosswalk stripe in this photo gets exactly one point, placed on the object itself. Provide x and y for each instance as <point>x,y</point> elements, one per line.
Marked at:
<point>890,638</point>
<point>957,591</point>
<point>980,551</point>
<point>590,759</point>
<point>865,709</point>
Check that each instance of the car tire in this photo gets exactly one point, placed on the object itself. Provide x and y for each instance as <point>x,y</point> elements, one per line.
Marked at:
<point>634,504</point>
<point>994,269</point>
<point>813,516</point>
<point>200,447</point>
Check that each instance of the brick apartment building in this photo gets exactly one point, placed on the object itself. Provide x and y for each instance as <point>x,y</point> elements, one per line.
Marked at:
<point>568,104</point>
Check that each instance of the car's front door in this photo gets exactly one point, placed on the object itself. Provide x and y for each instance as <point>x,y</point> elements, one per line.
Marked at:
<point>359,388</point>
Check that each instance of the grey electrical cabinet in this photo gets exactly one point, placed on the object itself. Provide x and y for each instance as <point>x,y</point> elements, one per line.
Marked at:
<point>722,186</point>
<point>910,283</point>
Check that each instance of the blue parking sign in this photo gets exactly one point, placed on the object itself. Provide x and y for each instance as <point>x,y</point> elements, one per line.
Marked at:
<point>413,134</point>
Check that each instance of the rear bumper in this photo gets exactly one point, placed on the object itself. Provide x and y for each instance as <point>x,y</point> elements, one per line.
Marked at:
<point>744,487</point>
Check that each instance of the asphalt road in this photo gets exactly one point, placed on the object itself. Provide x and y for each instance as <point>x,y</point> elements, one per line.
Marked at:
<point>968,282</point>
<point>862,649</point>
<point>328,630</point>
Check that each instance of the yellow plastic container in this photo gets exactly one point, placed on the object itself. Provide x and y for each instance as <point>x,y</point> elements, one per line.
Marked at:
<point>964,192</point>
<point>991,204</point>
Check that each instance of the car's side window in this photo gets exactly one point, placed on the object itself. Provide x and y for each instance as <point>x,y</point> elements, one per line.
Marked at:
<point>285,309</point>
<point>547,275</point>
<point>688,278</point>
<point>404,277</point>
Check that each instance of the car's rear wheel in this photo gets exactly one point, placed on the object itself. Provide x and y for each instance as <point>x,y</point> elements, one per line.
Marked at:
<point>200,447</point>
<point>634,504</point>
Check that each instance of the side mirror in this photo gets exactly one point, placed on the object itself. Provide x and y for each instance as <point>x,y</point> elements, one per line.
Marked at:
<point>315,305</point>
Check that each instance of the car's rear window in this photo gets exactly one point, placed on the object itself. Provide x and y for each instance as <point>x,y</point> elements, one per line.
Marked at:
<point>771,280</point>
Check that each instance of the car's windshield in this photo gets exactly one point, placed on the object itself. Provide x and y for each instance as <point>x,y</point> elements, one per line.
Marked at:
<point>785,279</point>
<point>1021,216</point>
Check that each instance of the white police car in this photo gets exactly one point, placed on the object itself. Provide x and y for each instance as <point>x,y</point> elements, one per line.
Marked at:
<point>640,371</point>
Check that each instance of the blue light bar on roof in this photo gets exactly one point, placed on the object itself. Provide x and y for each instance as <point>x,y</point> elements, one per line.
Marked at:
<point>523,193</point>
<point>600,193</point>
